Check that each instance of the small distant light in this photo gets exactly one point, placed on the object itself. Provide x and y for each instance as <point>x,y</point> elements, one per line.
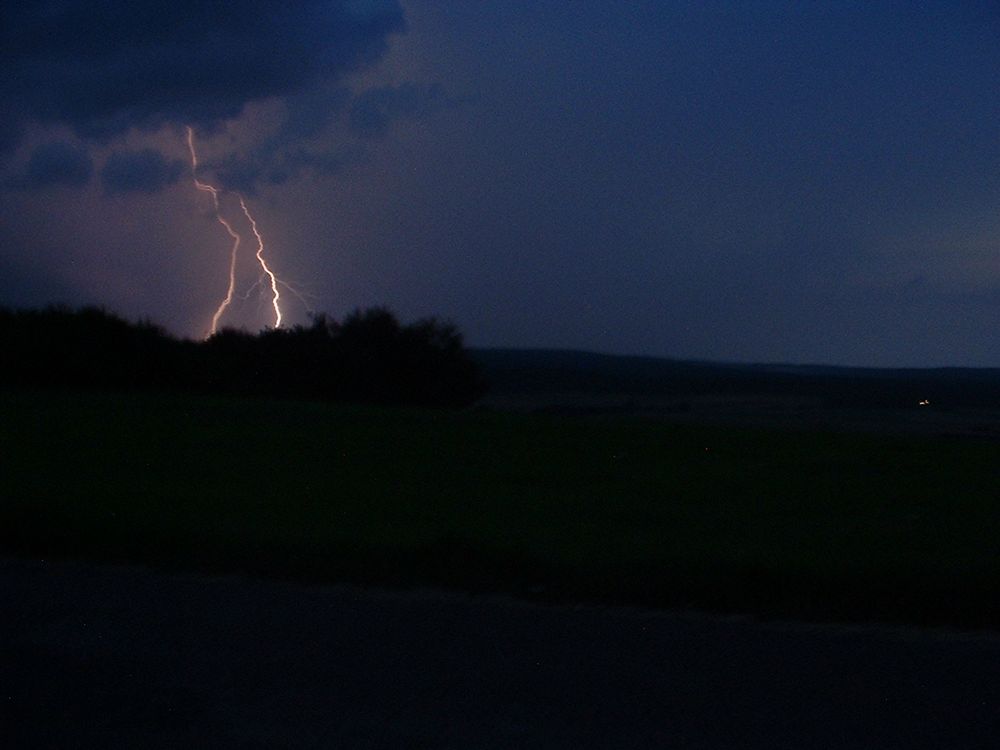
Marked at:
<point>925,402</point>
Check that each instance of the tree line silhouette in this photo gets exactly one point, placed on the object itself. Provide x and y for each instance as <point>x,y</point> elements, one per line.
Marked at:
<point>369,357</point>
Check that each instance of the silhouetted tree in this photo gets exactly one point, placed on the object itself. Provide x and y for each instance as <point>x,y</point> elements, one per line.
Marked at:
<point>369,357</point>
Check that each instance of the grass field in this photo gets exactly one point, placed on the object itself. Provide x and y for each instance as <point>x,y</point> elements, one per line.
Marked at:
<point>776,523</point>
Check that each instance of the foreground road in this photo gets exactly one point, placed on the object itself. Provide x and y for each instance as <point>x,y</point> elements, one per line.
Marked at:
<point>109,657</point>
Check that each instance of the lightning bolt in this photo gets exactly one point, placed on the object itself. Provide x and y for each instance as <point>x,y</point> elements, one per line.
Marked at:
<point>275,294</point>
<point>214,191</point>
<point>273,279</point>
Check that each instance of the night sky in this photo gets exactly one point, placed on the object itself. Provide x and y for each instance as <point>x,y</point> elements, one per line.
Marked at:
<point>748,181</point>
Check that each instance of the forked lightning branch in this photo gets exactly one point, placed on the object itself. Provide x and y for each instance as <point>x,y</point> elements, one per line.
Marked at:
<point>266,272</point>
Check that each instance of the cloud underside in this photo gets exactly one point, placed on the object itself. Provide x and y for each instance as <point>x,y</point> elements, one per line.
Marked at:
<point>143,171</point>
<point>362,117</point>
<point>56,163</point>
<point>105,67</point>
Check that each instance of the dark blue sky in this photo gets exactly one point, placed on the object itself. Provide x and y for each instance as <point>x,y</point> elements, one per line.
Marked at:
<point>769,181</point>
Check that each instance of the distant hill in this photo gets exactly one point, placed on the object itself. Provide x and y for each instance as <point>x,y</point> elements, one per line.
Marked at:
<point>536,372</point>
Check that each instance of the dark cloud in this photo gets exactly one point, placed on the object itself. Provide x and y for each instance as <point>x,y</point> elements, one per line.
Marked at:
<point>144,171</point>
<point>373,111</point>
<point>103,66</point>
<point>56,163</point>
<point>323,132</point>
<point>302,141</point>
<point>310,112</point>
<point>246,172</point>
<point>291,149</point>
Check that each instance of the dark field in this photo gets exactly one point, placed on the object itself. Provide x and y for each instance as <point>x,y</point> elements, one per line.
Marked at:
<point>792,523</point>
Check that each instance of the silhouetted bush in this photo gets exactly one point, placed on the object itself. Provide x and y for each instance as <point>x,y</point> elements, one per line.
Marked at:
<point>370,358</point>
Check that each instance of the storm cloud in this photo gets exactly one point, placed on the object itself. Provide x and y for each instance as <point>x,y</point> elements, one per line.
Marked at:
<point>358,118</point>
<point>143,171</point>
<point>102,67</point>
<point>56,163</point>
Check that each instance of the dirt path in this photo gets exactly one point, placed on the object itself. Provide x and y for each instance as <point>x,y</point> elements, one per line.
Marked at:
<point>95,656</point>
